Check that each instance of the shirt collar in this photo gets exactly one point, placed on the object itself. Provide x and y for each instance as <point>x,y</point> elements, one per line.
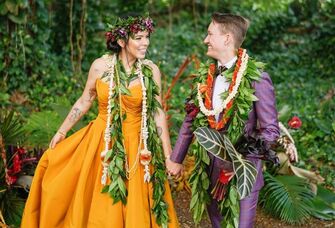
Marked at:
<point>229,64</point>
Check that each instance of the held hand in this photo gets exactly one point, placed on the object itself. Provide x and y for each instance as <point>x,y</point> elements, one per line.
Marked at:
<point>174,168</point>
<point>56,139</point>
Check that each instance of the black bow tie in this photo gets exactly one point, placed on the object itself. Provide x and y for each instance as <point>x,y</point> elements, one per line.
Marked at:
<point>221,69</point>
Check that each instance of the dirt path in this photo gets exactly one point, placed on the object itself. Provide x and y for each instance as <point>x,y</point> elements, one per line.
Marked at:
<point>182,200</point>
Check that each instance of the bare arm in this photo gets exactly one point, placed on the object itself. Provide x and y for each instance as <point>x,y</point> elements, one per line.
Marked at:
<point>160,117</point>
<point>83,104</point>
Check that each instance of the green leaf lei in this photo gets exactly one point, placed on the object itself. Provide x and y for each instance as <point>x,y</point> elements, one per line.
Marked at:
<point>116,155</point>
<point>242,105</point>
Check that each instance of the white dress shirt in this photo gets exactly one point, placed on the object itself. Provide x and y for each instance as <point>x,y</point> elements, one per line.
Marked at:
<point>221,85</point>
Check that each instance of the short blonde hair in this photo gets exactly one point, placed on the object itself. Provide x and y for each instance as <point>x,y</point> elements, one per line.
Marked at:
<point>235,24</point>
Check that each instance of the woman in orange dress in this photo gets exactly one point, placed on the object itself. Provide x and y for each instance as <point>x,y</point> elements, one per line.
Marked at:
<point>110,173</point>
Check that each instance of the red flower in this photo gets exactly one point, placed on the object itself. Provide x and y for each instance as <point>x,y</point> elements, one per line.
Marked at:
<point>109,36</point>
<point>134,28</point>
<point>11,179</point>
<point>16,164</point>
<point>20,150</point>
<point>192,110</point>
<point>295,122</point>
<point>225,177</point>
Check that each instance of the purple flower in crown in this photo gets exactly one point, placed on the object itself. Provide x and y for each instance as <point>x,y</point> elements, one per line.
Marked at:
<point>122,32</point>
<point>149,24</point>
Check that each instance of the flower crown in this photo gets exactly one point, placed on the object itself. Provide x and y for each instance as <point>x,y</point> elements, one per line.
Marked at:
<point>125,27</point>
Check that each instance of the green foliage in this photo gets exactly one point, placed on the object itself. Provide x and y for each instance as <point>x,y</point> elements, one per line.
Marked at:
<point>287,197</point>
<point>199,182</point>
<point>10,128</point>
<point>230,208</point>
<point>294,37</point>
<point>219,144</point>
<point>324,204</point>
<point>11,207</point>
<point>40,127</point>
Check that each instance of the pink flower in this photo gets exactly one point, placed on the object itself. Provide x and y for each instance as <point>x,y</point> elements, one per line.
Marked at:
<point>294,122</point>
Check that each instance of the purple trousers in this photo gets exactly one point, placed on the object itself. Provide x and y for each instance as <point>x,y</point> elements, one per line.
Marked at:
<point>248,205</point>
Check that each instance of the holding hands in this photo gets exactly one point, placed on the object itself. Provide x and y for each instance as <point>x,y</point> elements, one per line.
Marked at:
<point>173,168</point>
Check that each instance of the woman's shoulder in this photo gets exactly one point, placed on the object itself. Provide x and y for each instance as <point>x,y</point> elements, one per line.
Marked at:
<point>100,63</point>
<point>152,65</point>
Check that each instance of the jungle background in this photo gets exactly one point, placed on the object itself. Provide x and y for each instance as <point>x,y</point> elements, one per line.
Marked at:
<point>46,48</point>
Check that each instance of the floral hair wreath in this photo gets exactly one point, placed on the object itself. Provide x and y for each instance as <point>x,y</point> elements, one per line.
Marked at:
<point>125,27</point>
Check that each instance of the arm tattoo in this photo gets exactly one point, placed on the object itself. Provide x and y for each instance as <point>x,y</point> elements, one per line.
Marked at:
<point>75,114</point>
<point>159,131</point>
<point>92,94</point>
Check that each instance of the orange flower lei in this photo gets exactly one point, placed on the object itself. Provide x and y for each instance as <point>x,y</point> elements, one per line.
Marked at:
<point>209,92</point>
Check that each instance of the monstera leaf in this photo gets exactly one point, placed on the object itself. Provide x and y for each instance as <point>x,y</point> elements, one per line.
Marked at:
<point>245,171</point>
<point>212,141</point>
<point>219,145</point>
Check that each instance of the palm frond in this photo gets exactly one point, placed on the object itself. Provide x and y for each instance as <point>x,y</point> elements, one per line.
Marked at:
<point>324,204</point>
<point>10,128</point>
<point>40,127</point>
<point>287,197</point>
<point>11,207</point>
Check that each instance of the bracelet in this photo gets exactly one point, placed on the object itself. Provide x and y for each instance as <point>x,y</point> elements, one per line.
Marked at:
<point>61,133</point>
<point>167,157</point>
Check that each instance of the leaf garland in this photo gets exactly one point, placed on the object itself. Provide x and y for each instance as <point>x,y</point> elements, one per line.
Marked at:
<point>217,143</point>
<point>158,177</point>
<point>199,181</point>
<point>117,188</point>
<point>230,208</point>
<point>238,115</point>
<point>116,155</point>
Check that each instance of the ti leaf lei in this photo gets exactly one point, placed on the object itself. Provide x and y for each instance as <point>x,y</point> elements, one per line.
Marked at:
<point>116,155</point>
<point>238,114</point>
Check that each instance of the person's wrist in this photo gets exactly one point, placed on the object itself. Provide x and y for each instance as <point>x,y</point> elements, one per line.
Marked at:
<point>167,157</point>
<point>62,133</point>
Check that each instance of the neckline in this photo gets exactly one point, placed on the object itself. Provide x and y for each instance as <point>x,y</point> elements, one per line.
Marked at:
<point>131,87</point>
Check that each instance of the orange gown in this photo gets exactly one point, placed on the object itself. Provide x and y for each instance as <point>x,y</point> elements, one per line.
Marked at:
<point>66,189</point>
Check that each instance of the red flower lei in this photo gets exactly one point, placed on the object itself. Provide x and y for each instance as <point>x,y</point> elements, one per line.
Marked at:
<point>209,92</point>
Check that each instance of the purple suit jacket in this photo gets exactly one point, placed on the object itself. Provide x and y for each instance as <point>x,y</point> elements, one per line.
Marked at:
<point>262,122</point>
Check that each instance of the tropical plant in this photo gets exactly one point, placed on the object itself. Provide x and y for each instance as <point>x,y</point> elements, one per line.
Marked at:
<point>41,126</point>
<point>11,205</point>
<point>287,197</point>
<point>219,145</point>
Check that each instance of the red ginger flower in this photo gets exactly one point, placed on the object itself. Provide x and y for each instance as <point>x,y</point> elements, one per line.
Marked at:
<point>295,122</point>
<point>225,176</point>
<point>20,150</point>
<point>10,179</point>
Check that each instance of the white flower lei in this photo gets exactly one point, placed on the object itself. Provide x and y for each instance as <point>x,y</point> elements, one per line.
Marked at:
<point>111,62</point>
<point>231,95</point>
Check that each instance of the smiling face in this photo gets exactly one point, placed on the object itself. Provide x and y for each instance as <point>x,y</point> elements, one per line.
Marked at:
<point>217,42</point>
<point>137,45</point>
